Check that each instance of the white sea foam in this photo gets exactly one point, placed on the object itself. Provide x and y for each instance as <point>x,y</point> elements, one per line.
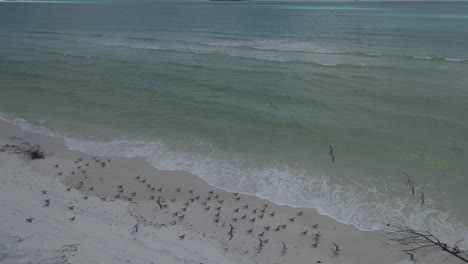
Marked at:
<point>349,203</point>
<point>265,49</point>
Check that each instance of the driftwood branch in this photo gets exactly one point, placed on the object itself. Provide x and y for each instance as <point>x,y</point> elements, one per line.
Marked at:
<point>423,241</point>
<point>24,148</point>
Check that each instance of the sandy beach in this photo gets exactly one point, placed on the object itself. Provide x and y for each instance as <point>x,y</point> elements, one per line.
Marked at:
<point>84,209</point>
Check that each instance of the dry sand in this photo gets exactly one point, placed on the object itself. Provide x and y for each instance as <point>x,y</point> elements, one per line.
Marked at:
<point>127,224</point>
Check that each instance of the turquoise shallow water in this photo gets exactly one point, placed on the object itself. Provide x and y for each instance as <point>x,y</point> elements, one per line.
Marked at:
<point>250,95</point>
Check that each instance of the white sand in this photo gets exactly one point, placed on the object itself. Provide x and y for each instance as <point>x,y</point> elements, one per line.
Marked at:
<point>102,230</point>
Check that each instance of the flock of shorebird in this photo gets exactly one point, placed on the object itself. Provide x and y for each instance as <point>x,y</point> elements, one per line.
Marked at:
<point>210,202</point>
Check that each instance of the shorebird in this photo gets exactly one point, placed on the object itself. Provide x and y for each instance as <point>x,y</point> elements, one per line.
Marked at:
<point>314,226</point>
<point>183,209</point>
<point>218,208</point>
<point>173,200</point>
<point>135,228</point>
<point>90,188</point>
<point>245,206</point>
<point>71,207</point>
<point>291,219</point>
<point>159,202</point>
<point>409,182</point>
<point>300,213</point>
<point>265,205</point>
<point>336,251</point>
<point>235,210</point>
<point>234,219</point>
<point>60,173</point>
<point>87,164</point>
<point>210,192</point>
<point>71,219</point>
<point>265,241</point>
<point>272,214</point>
<point>181,236</point>
<point>237,198</point>
<point>143,181</point>
<point>204,203</point>
<point>221,201</point>
<point>56,165</point>
<point>422,198</point>
<point>316,236</point>
<point>283,226</point>
<point>216,220</point>
<point>216,196</point>
<point>304,232</point>
<point>337,248</point>
<point>29,220</point>
<point>254,211</point>
<point>261,234</point>
<point>231,232</point>
<point>190,191</point>
<point>262,211</point>
<point>276,229</point>
<point>244,216</point>
<point>331,153</point>
<point>217,214</point>
<point>249,231</point>
<point>273,105</point>
<point>283,251</point>
<point>68,189</point>
<point>261,216</point>
<point>159,190</point>
<point>252,220</point>
<point>133,193</point>
<point>44,192</point>
<point>80,160</point>
<point>235,194</point>
<point>79,167</point>
<point>152,197</point>
<point>260,245</point>
<point>85,197</point>
<point>267,228</point>
<point>177,190</point>
<point>153,188</point>
<point>207,208</point>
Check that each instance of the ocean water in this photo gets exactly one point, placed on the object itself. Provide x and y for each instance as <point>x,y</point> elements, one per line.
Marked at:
<point>249,96</point>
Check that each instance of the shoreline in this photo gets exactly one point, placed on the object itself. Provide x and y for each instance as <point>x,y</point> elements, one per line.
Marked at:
<point>205,220</point>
